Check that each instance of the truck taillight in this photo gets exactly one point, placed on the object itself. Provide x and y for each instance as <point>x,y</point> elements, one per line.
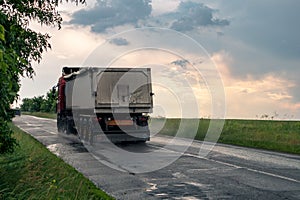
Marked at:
<point>144,118</point>
<point>98,119</point>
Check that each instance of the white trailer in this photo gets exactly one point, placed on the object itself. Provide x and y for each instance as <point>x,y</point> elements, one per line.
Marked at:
<point>119,99</point>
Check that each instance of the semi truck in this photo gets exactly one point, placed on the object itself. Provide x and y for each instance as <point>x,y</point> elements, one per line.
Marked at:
<point>105,103</point>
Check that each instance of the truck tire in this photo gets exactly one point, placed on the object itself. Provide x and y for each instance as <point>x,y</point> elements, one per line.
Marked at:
<point>68,127</point>
<point>60,124</point>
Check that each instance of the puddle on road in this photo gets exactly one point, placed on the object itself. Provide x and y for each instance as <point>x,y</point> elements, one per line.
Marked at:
<point>177,189</point>
<point>200,185</point>
<point>179,175</point>
<point>162,194</point>
<point>152,187</point>
<point>55,148</point>
<point>188,198</point>
<point>61,149</point>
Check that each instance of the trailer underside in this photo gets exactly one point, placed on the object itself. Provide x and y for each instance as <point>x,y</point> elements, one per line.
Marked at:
<point>105,127</point>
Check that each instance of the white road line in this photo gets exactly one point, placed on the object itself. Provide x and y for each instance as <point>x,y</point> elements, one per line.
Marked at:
<point>34,126</point>
<point>246,168</point>
<point>51,132</point>
<point>236,166</point>
<point>41,118</point>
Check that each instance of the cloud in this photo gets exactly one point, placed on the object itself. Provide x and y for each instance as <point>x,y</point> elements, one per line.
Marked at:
<point>268,26</point>
<point>111,13</point>
<point>265,94</point>
<point>192,15</point>
<point>279,95</point>
<point>263,38</point>
<point>119,41</point>
<point>182,63</point>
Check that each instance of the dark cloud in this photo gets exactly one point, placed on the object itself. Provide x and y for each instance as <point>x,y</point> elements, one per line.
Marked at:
<point>190,15</point>
<point>182,63</point>
<point>111,13</point>
<point>119,41</point>
<point>219,33</point>
<point>271,26</point>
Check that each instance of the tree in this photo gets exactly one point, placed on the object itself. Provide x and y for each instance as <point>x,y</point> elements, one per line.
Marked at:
<point>37,103</point>
<point>26,105</point>
<point>41,103</point>
<point>19,47</point>
<point>49,103</point>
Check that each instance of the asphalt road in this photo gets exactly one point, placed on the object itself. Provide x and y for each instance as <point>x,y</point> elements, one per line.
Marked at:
<point>156,170</point>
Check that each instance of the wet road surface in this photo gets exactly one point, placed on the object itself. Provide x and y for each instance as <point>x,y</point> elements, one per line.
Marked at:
<point>136,171</point>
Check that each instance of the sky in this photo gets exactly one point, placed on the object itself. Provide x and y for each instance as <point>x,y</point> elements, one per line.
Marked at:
<point>209,58</point>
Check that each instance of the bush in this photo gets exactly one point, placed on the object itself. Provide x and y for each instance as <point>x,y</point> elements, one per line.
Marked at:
<point>7,142</point>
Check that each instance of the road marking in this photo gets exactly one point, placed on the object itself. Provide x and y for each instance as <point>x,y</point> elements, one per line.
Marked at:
<point>41,118</point>
<point>35,126</point>
<point>236,166</point>
<point>247,168</point>
<point>51,132</point>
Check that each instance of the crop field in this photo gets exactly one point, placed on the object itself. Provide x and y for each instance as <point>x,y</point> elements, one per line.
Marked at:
<point>283,136</point>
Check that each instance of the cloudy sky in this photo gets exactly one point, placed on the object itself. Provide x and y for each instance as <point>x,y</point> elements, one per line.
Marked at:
<point>253,45</point>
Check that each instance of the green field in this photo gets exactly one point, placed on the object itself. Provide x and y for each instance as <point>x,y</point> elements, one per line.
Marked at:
<point>283,136</point>
<point>33,172</point>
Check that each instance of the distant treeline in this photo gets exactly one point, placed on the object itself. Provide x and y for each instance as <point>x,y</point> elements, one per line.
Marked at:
<point>42,103</point>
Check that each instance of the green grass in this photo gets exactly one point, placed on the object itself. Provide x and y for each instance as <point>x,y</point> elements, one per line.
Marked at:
<point>41,114</point>
<point>33,172</point>
<point>282,136</point>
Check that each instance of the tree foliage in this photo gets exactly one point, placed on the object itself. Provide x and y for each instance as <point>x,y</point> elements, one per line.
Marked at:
<point>20,46</point>
<point>41,103</point>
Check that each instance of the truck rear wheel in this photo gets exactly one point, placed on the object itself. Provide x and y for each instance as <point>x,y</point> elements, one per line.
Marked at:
<point>60,124</point>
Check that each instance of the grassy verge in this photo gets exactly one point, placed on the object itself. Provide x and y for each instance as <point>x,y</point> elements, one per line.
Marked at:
<point>32,172</point>
<point>283,136</point>
<point>41,114</point>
